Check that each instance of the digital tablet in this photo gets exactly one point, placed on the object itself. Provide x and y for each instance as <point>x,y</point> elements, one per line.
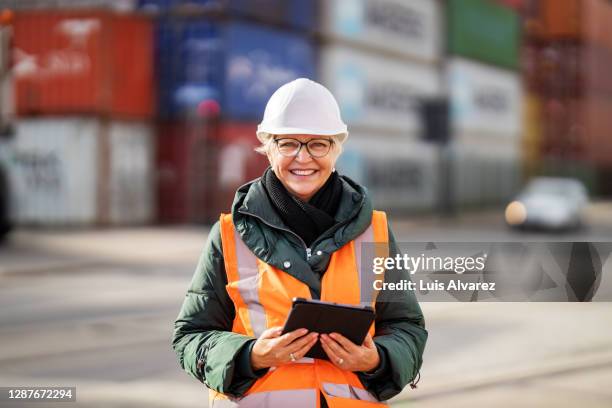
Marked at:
<point>353,322</point>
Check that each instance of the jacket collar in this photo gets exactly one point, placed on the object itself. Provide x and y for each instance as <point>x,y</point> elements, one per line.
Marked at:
<point>252,199</point>
<point>264,233</point>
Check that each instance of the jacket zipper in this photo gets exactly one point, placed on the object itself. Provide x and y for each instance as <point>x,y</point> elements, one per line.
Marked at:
<point>308,250</point>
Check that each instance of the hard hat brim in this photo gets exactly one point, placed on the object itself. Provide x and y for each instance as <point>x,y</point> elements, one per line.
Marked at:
<point>342,134</point>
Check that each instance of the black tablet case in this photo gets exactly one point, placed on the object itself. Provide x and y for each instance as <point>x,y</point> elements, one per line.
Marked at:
<point>352,322</point>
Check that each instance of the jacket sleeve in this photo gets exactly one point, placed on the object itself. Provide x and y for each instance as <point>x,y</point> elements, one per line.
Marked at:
<point>203,340</point>
<point>400,336</point>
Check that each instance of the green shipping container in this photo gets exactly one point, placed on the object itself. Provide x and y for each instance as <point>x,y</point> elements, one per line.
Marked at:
<point>484,30</point>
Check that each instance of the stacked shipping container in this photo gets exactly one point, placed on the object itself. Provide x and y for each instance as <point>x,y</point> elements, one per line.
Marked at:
<point>6,77</point>
<point>6,116</point>
<point>83,148</point>
<point>218,63</point>
<point>380,58</point>
<point>486,98</point>
<point>567,55</point>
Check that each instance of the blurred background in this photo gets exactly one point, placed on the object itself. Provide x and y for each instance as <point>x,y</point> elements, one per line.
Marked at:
<point>126,127</point>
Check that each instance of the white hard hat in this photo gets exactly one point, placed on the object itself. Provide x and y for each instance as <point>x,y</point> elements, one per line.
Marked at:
<point>302,106</point>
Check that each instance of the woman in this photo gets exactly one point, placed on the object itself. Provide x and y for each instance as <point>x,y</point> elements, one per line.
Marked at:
<point>296,232</point>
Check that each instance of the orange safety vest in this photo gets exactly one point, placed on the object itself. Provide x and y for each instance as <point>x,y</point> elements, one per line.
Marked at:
<point>262,295</point>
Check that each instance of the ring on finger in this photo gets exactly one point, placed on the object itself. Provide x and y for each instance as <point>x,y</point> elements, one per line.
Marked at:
<point>340,361</point>
<point>292,357</point>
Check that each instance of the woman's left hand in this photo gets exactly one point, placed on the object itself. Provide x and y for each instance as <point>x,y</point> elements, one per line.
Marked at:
<point>346,355</point>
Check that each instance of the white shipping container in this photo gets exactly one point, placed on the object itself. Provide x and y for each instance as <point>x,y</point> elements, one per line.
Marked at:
<point>484,99</point>
<point>407,28</point>
<point>54,171</point>
<point>400,173</point>
<point>377,93</point>
<point>81,171</point>
<point>132,194</point>
<point>485,174</point>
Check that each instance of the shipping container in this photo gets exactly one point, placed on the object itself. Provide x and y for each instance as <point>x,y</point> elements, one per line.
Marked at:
<point>585,20</point>
<point>6,32</point>
<point>299,14</point>
<point>54,171</point>
<point>484,99</point>
<point>410,29</point>
<point>532,140</point>
<point>7,108</point>
<point>375,93</point>
<point>579,129</point>
<point>518,5</point>
<point>117,5</point>
<point>567,69</point>
<point>401,173</point>
<point>485,31</point>
<point>597,125</point>
<point>484,174</point>
<point>200,166</point>
<point>531,67</point>
<point>564,133</point>
<point>238,65</point>
<point>84,62</point>
<point>81,171</point>
<point>131,178</point>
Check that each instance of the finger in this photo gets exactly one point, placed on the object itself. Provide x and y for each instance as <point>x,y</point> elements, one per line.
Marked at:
<point>346,344</point>
<point>335,347</point>
<point>369,342</point>
<point>288,338</point>
<point>271,333</point>
<point>302,341</point>
<point>302,351</point>
<point>333,357</point>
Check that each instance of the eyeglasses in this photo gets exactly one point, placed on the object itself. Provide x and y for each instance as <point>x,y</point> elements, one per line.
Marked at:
<point>291,147</point>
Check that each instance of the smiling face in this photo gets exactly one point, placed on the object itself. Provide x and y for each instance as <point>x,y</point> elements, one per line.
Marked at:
<point>303,175</point>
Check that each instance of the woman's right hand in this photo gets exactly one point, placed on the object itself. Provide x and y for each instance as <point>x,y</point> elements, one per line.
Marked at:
<point>272,350</point>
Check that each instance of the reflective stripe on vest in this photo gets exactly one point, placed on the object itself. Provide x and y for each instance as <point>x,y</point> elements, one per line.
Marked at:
<point>262,296</point>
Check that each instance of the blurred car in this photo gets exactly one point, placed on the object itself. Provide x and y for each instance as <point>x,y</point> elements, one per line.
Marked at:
<point>548,203</point>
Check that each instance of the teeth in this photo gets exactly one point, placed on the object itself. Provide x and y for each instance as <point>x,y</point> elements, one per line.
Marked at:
<point>302,172</point>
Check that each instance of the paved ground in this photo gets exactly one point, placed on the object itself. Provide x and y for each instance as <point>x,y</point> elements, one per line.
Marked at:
<point>94,309</point>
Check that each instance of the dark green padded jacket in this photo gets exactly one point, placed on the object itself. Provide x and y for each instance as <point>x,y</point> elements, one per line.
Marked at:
<point>209,351</point>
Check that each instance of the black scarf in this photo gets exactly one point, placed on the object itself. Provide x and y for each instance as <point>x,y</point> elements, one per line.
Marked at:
<point>307,219</point>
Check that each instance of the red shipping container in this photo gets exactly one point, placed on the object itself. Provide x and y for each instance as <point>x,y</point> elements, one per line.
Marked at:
<point>585,20</point>
<point>84,63</point>
<point>238,162</point>
<point>597,119</point>
<point>200,166</point>
<point>579,129</point>
<point>567,69</point>
<point>563,129</point>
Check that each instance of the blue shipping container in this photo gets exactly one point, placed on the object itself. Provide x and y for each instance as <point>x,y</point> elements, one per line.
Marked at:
<point>300,14</point>
<point>237,64</point>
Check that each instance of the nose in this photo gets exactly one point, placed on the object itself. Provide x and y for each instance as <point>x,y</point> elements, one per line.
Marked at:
<point>303,155</point>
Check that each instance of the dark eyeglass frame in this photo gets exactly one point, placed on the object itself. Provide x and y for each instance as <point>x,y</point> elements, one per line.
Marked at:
<point>302,144</point>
